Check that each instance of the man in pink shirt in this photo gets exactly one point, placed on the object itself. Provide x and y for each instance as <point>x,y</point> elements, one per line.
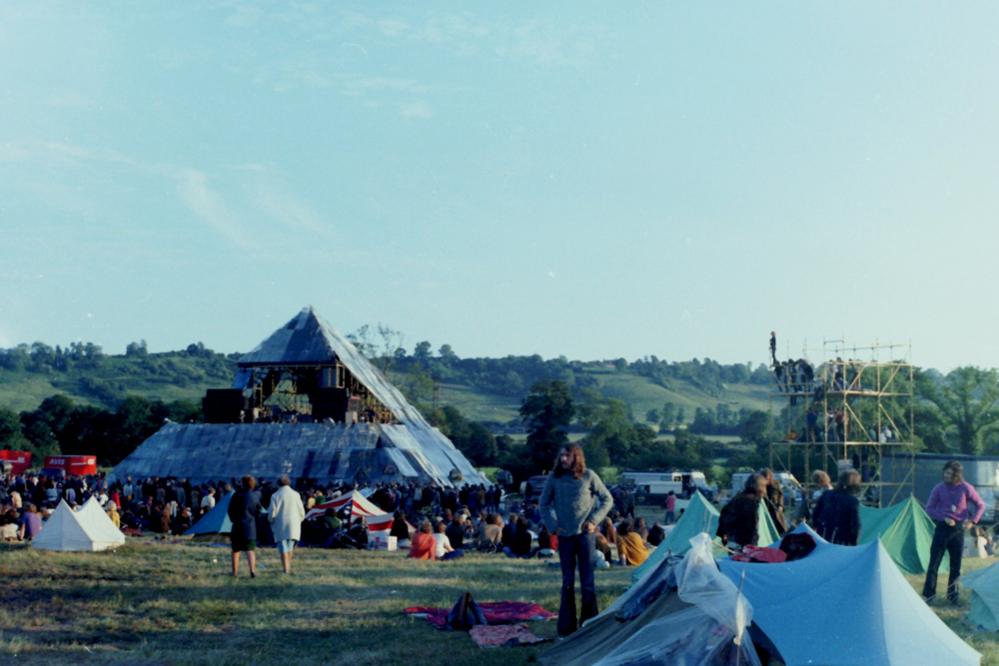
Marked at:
<point>948,507</point>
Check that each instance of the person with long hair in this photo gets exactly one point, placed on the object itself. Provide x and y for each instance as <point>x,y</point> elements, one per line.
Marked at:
<point>574,500</point>
<point>738,522</point>
<point>423,544</point>
<point>948,507</point>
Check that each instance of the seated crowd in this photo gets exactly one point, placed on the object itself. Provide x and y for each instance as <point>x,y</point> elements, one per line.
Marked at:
<point>431,521</point>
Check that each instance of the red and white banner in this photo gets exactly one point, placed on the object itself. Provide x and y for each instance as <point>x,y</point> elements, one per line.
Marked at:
<point>73,465</point>
<point>19,460</point>
<point>360,507</point>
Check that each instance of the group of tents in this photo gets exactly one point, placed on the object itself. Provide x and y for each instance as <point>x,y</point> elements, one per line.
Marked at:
<point>835,605</point>
<point>88,529</point>
<point>904,529</point>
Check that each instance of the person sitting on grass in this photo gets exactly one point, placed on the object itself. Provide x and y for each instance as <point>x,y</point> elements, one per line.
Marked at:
<point>30,524</point>
<point>112,511</point>
<point>630,546</point>
<point>547,543</point>
<point>442,545</point>
<point>521,540</point>
<point>424,544</point>
<point>491,535</point>
<point>400,529</point>
<point>657,534</point>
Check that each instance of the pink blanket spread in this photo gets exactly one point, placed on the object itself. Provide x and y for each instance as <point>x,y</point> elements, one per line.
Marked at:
<point>504,635</point>
<point>496,612</point>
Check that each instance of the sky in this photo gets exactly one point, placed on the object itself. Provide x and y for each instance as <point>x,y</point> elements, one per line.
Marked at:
<point>593,180</point>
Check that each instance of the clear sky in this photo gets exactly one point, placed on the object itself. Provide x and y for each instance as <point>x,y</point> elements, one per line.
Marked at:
<point>589,179</point>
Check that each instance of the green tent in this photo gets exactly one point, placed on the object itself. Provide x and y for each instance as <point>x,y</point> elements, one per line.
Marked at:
<point>701,516</point>
<point>984,585</point>
<point>906,532</point>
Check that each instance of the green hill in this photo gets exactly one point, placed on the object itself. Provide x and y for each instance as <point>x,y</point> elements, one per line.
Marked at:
<point>487,390</point>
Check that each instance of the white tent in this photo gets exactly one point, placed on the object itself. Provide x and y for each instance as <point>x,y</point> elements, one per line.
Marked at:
<point>83,530</point>
<point>98,517</point>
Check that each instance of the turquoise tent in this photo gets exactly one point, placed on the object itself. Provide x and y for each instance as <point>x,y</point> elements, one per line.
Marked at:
<point>906,531</point>
<point>984,585</point>
<point>701,516</point>
<point>214,522</point>
<point>845,605</point>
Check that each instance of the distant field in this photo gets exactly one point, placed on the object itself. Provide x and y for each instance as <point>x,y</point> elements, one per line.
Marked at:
<point>174,603</point>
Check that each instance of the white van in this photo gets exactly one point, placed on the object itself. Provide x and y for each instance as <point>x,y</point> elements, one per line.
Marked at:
<point>653,487</point>
<point>788,485</point>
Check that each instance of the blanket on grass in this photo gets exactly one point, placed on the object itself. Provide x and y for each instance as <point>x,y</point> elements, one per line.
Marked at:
<point>507,635</point>
<point>496,612</point>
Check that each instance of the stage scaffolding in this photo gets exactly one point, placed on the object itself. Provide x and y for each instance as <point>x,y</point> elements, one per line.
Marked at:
<point>861,400</point>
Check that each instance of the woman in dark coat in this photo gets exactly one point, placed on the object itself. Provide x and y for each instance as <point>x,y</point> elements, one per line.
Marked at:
<point>243,509</point>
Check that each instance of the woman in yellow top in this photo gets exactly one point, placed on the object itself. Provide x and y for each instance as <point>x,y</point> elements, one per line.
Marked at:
<point>630,546</point>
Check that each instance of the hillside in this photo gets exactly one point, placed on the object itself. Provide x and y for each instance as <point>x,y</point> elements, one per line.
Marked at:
<point>487,390</point>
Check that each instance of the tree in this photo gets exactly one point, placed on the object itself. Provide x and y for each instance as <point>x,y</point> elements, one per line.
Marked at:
<point>968,399</point>
<point>652,416</point>
<point>446,354</point>
<point>421,353</point>
<point>546,412</point>
<point>136,349</point>
<point>756,429</point>
<point>11,436</point>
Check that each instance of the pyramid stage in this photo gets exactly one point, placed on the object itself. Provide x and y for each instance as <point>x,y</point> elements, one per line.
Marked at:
<point>307,403</point>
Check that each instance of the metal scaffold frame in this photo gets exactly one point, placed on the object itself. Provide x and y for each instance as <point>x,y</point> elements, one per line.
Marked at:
<point>862,410</point>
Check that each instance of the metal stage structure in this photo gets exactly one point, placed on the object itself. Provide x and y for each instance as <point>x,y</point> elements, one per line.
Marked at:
<point>855,409</point>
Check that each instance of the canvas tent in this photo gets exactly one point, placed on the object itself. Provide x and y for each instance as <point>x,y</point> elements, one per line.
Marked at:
<point>96,516</point>
<point>214,522</point>
<point>845,605</point>
<point>984,585</point>
<point>701,516</point>
<point>906,532</point>
<point>69,530</point>
<point>683,612</point>
<point>360,507</point>
<point>398,446</point>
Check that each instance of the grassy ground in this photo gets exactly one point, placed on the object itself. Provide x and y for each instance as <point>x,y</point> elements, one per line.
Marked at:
<point>174,603</point>
<point>158,603</point>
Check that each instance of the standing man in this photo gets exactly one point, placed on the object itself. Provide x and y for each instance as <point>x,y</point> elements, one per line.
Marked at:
<point>670,507</point>
<point>837,513</point>
<point>773,346</point>
<point>948,507</point>
<point>286,515</point>
<point>573,501</point>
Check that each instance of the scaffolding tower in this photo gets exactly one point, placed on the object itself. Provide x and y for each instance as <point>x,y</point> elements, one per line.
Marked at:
<point>855,409</point>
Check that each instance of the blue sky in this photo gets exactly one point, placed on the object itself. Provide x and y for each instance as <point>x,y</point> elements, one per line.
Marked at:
<point>583,179</point>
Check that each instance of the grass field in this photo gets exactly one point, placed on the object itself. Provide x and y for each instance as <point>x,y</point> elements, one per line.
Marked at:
<point>161,603</point>
<point>157,603</point>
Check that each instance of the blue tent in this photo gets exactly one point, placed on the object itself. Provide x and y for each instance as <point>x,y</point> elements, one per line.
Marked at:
<point>845,605</point>
<point>215,521</point>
